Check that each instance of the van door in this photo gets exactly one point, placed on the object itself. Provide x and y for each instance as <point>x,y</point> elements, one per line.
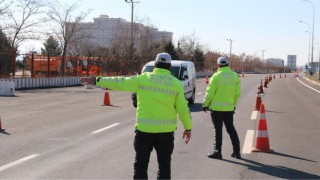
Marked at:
<point>187,84</point>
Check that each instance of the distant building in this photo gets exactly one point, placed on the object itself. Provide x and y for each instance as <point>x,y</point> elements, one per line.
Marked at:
<point>292,62</point>
<point>102,30</point>
<point>275,61</point>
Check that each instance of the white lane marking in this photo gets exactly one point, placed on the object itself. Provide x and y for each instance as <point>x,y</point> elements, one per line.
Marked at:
<point>254,115</point>
<point>248,142</point>
<point>199,93</point>
<point>18,161</point>
<point>105,128</point>
<point>307,85</point>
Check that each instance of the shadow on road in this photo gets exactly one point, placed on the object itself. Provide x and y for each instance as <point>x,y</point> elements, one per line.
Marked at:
<point>276,171</point>
<point>290,156</point>
<point>4,132</point>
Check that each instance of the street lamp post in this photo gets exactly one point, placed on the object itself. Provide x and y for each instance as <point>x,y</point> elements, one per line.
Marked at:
<point>131,37</point>
<point>312,34</point>
<point>319,67</point>
<point>230,50</point>
<point>309,38</point>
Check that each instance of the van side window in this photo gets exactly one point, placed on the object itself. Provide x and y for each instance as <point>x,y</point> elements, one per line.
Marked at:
<point>183,73</point>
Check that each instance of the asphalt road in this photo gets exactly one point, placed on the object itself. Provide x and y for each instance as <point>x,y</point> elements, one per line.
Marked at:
<point>66,133</point>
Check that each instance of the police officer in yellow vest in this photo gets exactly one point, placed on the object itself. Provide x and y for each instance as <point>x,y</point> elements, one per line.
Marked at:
<point>221,99</point>
<point>160,98</point>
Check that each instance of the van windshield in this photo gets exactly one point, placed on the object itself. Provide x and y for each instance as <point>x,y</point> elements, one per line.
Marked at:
<point>174,70</point>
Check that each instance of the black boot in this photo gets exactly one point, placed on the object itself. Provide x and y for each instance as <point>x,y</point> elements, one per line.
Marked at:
<point>215,155</point>
<point>236,155</point>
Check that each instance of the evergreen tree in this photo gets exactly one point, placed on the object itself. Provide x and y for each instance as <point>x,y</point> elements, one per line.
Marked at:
<point>4,42</point>
<point>169,48</point>
<point>198,57</point>
<point>51,47</point>
<point>5,59</point>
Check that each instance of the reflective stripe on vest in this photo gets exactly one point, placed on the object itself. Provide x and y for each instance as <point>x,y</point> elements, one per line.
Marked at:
<point>159,90</point>
<point>227,83</point>
<point>157,122</point>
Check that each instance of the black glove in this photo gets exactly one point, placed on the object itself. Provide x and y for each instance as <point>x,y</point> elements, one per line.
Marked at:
<point>205,109</point>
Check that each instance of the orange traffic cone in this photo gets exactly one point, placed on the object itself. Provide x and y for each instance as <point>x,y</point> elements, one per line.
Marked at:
<point>262,139</point>
<point>207,80</point>
<point>1,129</point>
<point>261,87</point>
<point>265,83</point>
<point>106,100</point>
<point>258,102</point>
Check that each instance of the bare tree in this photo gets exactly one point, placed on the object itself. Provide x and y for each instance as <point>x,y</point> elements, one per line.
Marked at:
<point>23,20</point>
<point>120,43</point>
<point>4,5</point>
<point>69,30</point>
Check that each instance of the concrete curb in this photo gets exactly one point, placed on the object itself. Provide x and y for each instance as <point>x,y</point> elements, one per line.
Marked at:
<point>314,82</point>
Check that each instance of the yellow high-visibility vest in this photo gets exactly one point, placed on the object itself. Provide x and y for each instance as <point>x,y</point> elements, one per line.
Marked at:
<point>223,91</point>
<point>160,98</point>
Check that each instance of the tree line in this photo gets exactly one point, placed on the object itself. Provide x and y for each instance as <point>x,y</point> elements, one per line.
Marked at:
<point>58,25</point>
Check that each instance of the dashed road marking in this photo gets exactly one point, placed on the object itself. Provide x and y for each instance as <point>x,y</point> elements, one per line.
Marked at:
<point>105,128</point>
<point>18,162</point>
<point>254,115</point>
<point>248,142</point>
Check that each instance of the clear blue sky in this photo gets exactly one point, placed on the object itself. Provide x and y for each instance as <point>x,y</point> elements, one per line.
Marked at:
<point>254,25</point>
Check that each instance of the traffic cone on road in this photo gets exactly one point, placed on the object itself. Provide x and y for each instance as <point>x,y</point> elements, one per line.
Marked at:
<point>262,138</point>
<point>258,102</point>
<point>265,83</point>
<point>1,129</point>
<point>207,79</point>
<point>106,100</point>
<point>261,87</point>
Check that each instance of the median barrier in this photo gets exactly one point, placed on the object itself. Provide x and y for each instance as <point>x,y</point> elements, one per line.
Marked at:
<point>7,87</point>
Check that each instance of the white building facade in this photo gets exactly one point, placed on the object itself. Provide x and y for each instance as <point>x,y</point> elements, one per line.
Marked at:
<point>103,31</point>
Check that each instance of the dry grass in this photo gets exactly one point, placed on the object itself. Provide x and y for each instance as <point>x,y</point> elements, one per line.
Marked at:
<point>315,77</point>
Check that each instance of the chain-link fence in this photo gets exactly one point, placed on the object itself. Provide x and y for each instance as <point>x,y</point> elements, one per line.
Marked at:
<point>7,64</point>
<point>34,65</point>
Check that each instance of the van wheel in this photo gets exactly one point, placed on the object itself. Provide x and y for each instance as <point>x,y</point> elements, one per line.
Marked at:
<point>193,97</point>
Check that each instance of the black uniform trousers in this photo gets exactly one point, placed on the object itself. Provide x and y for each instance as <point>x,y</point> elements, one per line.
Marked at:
<point>144,143</point>
<point>226,117</point>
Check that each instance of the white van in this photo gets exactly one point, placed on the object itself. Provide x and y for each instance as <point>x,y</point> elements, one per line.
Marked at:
<point>182,70</point>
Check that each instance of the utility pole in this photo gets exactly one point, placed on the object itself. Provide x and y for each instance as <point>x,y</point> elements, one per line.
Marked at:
<point>312,43</point>
<point>230,51</point>
<point>263,58</point>
<point>131,38</point>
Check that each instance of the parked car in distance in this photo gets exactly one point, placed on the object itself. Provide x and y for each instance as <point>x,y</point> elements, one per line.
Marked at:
<point>182,70</point>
